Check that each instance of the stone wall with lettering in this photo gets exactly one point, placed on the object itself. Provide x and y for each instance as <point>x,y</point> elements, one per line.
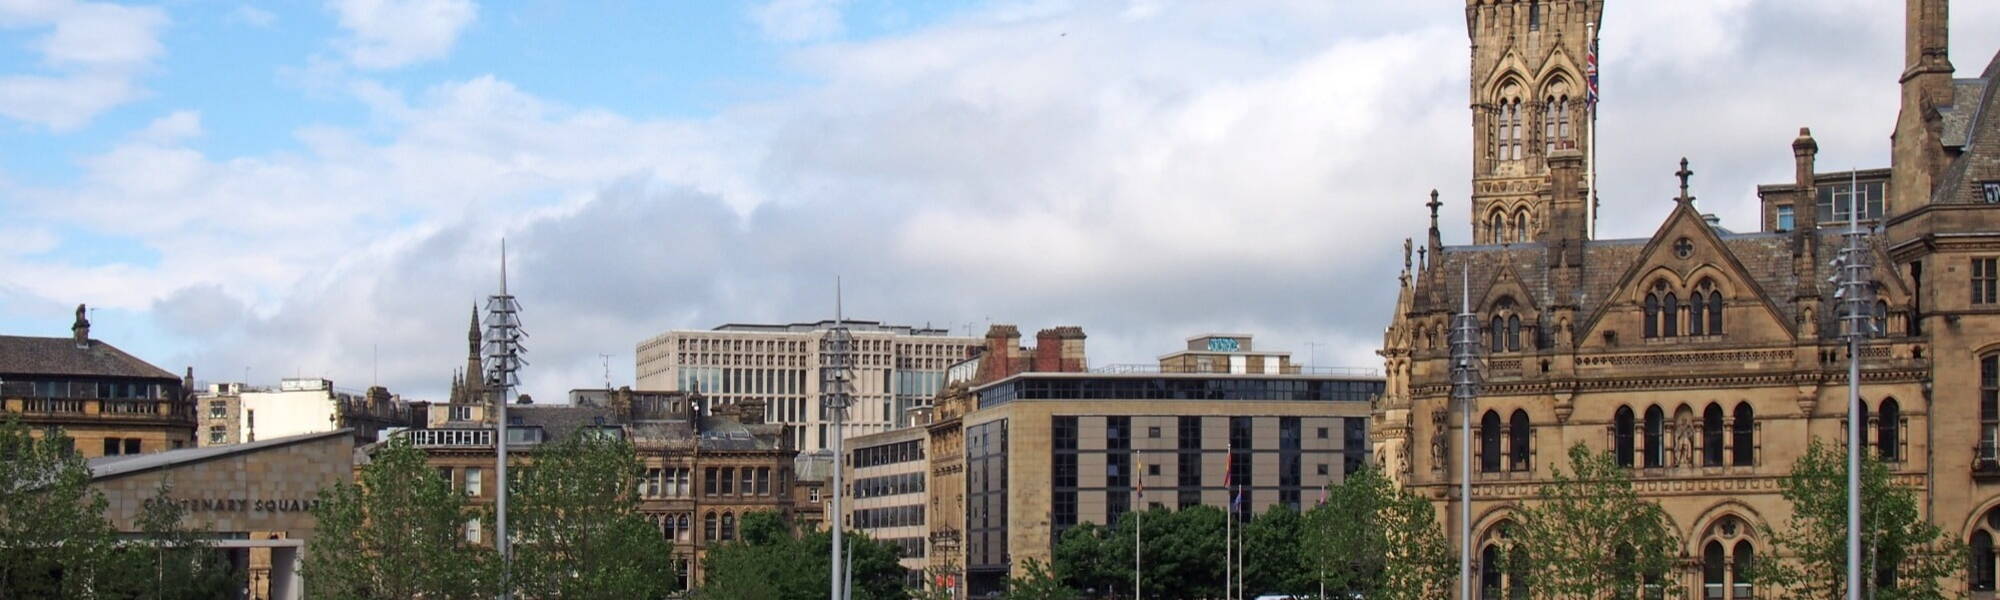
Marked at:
<point>263,491</point>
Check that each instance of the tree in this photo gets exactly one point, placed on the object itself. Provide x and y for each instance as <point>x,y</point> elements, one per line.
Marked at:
<point>1037,583</point>
<point>1911,558</point>
<point>1590,536</point>
<point>769,562</point>
<point>173,562</point>
<point>1372,540</point>
<point>1272,562</point>
<point>399,533</point>
<point>54,540</point>
<point>581,532</point>
<point>1182,554</point>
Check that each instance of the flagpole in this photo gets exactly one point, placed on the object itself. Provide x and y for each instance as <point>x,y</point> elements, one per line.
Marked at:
<point>1228,518</point>
<point>1590,169</point>
<point>1138,532</point>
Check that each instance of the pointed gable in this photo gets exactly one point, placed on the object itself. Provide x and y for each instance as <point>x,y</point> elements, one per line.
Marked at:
<point>1684,253</point>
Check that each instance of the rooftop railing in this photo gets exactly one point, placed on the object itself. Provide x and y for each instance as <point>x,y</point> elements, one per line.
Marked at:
<point>1140,368</point>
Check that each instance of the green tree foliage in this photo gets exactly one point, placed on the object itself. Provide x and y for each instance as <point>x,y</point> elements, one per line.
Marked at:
<point>1374,541</point>
<point>173,562</point>
<point>1183,555</point>
<point>1272,563</point>
<point>1590,536</point>
<point>398,534</point>
<point>1037,583</point>
<point>54,540</point>
<point>767,561</point>
<point>581,534</point>
<point>1910,557</point>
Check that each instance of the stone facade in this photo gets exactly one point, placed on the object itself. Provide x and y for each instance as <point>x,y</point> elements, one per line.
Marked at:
<point>107,402</point>
<point>1707,359</point>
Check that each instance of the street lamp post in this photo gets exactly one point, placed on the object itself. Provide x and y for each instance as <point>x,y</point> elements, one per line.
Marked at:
<point>1854,292</point>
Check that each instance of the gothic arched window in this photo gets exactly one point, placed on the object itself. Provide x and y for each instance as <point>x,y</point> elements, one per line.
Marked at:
<point>708,527</point>
<point>1549,125</point>
<point>1739,570</point>
<point>1711,436</point>
<point>1489,442</point>
<point>1513,333</point>
<point>1521,233</point>
<point>1517,441</point>
<point>1497,331</point>
<point>1714,312</point>
<point>1743,446</point>
<point>1981,571</point>
<point>1888,431</point>
<point>1621,435</point>
<point>1656,448</point>
<point>1498,229</point>
<point>1670,315</point>
<point>1652,323</point>
<point>1714,570</point>
<point>728,526</point>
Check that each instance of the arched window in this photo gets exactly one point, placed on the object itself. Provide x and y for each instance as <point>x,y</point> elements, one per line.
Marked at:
<point>1498,333</point>
<point>1670,316</point>
<point>1489,442</point>
<point>1514,120</point>
<point>1888,431</point>
<point>687,527</point>
<point>1743,447</point>
<point>1656,450</point>
<point>1490,578</point>
<point>1711,436</point>
<point>708,527</point>
<point>1652,324</point>
<point>1715,312</point>
<point>1499,228</point>
<point>1562,117</point>
<point>670,528</point>
<point>1695,309</point>
<point>1495,581</point>
<point>1739,571</point>
<point>728,526</point>
<point>1621,435</point>
<point>1513,333</point>
<point>1714,571</point>
<point>1549,125</point>
<point>1517,441</point>
<point>1981,570</point>
<point>1521,229</point>
<point>1881,318</point>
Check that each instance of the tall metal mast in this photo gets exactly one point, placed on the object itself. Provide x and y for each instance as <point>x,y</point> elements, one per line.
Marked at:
<point>1464,392</point>
<point>503,363</point>
<point>1855,294</point>
<point>835,378</point>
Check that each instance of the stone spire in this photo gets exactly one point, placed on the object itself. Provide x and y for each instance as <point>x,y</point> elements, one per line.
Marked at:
<point>1436,239</point>
<point>1684,174</point>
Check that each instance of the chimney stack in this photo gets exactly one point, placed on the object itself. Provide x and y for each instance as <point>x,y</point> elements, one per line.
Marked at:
<point>81,329</point>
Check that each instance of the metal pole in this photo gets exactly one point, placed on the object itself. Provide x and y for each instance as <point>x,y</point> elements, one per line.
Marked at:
<point>1854,271</point>
<point>1138,534</point>
<point>835,404</point>
<point>1228,520</point>
<point>1464,391</point>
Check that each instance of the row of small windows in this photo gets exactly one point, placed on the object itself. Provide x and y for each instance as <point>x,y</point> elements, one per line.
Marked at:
<point>730,481</point>
<point>886,454</point>
<point>892,516</point>
<point>1740,434</point>
<point>889,485</point>
<point>1518,453</point>
<point>1665,311</point>
<point>1504,230</point>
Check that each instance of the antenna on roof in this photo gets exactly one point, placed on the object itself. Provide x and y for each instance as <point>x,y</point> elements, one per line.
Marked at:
<point>607,370</point>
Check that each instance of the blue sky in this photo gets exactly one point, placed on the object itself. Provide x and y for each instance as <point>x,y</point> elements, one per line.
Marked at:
<point>320,187</point>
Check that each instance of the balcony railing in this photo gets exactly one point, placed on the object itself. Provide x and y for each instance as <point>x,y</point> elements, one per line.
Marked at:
<point>449,438</point>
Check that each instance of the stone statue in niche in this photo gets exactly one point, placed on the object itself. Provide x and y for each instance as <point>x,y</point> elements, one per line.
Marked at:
<point>1684,438</point>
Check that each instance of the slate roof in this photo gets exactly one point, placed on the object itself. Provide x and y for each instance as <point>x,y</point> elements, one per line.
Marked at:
<point>1766,256</point>
<point>22,355</point>
<point>1971,123</point>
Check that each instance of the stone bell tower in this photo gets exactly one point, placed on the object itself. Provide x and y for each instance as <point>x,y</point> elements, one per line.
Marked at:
<point>1529,99</point>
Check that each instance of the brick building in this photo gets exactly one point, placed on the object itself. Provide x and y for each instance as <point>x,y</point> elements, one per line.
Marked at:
<point>1703,358</point>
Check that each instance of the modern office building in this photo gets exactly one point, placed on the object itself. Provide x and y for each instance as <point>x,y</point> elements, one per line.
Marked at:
<point>897,371</point>
<point>1044,451</point>
<point>234,413</point>
<point>108,402</point>
<point>885,475</point>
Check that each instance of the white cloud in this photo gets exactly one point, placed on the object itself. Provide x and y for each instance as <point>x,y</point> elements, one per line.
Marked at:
<point>385,34</point>
<point>93,51</point>
<point>799,20</point>
<point>1205,167</point>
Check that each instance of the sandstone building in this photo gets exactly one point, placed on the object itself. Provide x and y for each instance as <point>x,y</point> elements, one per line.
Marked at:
<point>108,402</point>
<point>1704,359</point>
<point>1047,447</point>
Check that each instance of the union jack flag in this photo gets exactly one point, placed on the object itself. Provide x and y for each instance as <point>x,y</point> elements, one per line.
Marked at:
<point>1590,71</point>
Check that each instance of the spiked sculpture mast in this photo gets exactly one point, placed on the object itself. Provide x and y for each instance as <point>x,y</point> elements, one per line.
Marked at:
<point>1854,293</point>
<point>503,364</point>
<point>835,376</point>
<point>1464,391</point>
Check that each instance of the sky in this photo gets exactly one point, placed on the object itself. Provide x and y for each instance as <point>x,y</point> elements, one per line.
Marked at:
<point>320,188</point>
